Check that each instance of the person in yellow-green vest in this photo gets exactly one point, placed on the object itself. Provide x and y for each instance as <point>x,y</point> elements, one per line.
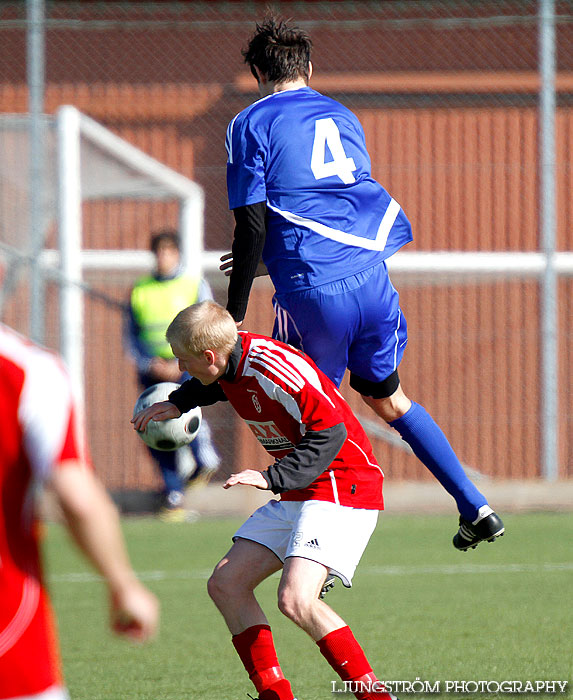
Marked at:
<point>155,300</point>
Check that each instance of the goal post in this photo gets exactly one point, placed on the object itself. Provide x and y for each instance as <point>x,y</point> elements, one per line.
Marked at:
<point>148,178</point>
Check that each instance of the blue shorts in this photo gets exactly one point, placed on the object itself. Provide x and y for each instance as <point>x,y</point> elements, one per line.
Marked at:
<point>353,323</point>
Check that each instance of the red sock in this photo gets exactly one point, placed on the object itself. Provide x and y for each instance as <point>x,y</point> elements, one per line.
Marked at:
<point>346,657</point>
<point>256,649</point>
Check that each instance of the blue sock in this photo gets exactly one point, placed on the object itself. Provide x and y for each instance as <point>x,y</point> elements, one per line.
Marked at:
<point>431,447</point>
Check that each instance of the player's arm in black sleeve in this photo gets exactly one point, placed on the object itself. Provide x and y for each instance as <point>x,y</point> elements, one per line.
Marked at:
<point>192,394</point>
<point>313,455</point>
<point>248,244</point>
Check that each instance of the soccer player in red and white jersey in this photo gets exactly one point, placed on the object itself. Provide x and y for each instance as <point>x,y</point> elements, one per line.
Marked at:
<point>328,478</point>
<point>42,444</point>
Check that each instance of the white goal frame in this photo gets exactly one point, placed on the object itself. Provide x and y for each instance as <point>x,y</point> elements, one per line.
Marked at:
<point>72,260</point>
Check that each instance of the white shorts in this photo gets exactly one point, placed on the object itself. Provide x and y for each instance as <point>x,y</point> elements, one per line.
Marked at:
<point>53,693</point>
<point>332,535</point>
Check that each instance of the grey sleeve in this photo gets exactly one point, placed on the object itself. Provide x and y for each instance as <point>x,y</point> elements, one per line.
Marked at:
<point>312,456</point>
<point>192,393</point>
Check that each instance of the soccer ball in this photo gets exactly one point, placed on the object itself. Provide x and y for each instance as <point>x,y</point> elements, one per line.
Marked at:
<point>171,434</point>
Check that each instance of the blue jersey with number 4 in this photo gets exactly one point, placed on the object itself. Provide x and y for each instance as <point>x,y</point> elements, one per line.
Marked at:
<point>305,155</point>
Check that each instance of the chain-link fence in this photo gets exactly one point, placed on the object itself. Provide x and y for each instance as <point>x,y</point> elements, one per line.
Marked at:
<point>449,95</point>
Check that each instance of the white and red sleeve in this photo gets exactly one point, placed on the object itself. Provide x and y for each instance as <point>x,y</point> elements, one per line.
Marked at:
<point>47,411</point>
<point>52,430</point>
<point>291,380</point>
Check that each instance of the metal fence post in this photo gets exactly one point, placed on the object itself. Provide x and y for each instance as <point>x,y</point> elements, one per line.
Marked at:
<point>35,77</point>
<point>547,217</point>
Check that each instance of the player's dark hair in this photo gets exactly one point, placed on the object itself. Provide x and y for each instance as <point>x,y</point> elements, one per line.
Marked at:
<point>168,236</point>
<point>280,51</point>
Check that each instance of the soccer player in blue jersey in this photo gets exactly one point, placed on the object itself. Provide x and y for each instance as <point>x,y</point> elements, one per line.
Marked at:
<point>305,203</point>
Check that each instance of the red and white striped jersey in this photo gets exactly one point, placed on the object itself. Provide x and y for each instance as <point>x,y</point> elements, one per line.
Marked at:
<point>281,394</point>
<point>38,432</point>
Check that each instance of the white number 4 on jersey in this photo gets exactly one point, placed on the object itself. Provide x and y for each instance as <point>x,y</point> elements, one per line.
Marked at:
<point>326,133</point>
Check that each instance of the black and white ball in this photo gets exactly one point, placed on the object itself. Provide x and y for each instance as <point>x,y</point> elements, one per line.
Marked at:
<point>169,434</point>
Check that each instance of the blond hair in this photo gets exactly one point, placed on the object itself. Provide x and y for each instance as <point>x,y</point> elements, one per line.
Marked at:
<point>203,326</point>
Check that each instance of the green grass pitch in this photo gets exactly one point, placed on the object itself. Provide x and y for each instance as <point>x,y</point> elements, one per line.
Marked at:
<point>419,608</point>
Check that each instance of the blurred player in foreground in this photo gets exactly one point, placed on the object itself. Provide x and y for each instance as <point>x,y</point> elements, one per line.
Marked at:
<point>300,186</point>
<point>325,471</point>
<point>154,301</point>
<point>42,444</point>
